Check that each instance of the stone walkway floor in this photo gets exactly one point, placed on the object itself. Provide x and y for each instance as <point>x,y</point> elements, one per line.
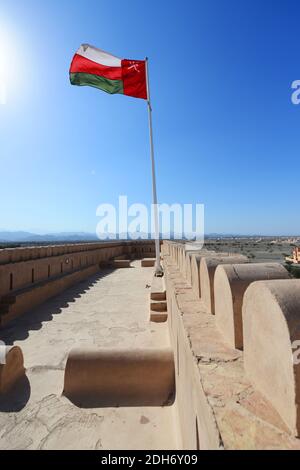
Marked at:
<point>109,310</point>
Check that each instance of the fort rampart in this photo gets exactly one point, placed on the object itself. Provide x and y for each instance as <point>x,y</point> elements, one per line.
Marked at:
<point>234,328</point>
<point>237,374</point>
<point>31,275</point>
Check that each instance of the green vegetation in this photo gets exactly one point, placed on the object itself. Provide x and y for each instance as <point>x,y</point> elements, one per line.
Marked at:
<point>293,270</point>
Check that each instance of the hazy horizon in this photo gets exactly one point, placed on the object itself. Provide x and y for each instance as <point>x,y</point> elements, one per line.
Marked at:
<point>206,234</point>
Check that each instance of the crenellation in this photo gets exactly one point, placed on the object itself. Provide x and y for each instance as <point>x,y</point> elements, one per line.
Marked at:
<point>219,386</point>
<point>271,328</point>
<point>208,266</point>
<point>230,284</point>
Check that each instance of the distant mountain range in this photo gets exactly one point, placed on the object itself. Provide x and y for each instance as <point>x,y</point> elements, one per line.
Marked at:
<point>64,237</point>
<point>28,237</point>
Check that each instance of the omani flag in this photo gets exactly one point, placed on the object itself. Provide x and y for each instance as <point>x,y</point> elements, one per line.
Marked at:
<point>93,67</point>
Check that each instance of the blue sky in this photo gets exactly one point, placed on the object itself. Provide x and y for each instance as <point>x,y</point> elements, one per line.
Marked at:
<point>226,132</point>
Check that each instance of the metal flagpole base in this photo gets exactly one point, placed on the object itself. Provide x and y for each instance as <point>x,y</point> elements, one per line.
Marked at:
<point>159,272</point>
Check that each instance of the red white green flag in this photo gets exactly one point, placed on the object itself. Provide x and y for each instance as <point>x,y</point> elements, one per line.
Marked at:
<point>94,67</point>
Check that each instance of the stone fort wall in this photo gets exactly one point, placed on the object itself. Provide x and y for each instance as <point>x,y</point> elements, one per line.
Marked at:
<point>235,336</point>
<point>234,328</point>
<point>31,275</point>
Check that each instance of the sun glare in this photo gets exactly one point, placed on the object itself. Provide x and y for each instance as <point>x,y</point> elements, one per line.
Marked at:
<point>3,74</point>
<point>8,64</point>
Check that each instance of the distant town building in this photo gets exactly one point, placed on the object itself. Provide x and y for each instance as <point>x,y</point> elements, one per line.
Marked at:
<point>295,257</point>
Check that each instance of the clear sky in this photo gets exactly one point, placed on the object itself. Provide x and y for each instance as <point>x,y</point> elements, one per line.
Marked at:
<point>226,132</point>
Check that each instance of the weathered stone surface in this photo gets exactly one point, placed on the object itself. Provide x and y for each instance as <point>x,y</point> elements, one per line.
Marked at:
<point>110,309</point>
<point>11,367</point>
<point>208,267</point>
<point>244,431</point>
<point>217,404</point>
<point>230,284</point>
<point>188,254</point>
<point>271,341</point>
<point>195,274</point>
<point>188,270</point>
<point>195,259</point>
<point>120,377</point>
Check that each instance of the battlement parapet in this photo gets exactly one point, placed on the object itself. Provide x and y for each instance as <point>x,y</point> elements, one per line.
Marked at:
<point>234,394</point>
<point>31,275</point>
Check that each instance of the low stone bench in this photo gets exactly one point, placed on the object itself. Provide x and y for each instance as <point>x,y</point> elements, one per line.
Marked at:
<point>230,284</point>
<point>208,266</point>
<point>158,317</point>
<point>11,367</point>
<point>158,300</point>
<point>147,262</point>
<point>120,377</point>
<point>158,305</point>
<point>158,288</point>
<point>271,321</point>
<point>121,263</point>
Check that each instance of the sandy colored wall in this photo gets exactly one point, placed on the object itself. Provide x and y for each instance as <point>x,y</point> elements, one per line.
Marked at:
<point>222,401</point>
<point>31,275</point>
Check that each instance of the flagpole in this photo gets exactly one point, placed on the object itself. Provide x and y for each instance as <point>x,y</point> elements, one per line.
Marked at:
<point>158,268</point>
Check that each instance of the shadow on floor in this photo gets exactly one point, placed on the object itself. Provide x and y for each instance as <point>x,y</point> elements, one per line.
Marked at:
<point>33,320</point>
<point>94,401</point>
<point>17,396</point>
